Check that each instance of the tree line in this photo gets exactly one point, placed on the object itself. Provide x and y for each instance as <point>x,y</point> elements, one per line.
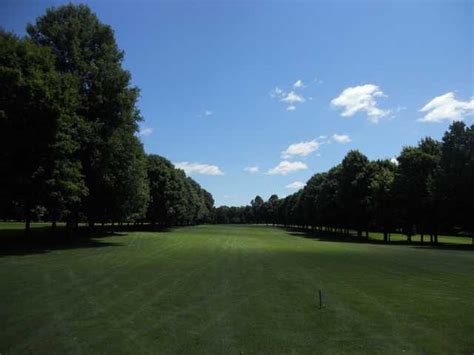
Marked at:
<point>69,149</point>
<point>428,190</point>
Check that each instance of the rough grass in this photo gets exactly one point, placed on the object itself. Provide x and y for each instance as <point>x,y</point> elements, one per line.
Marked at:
<point>234,289</point>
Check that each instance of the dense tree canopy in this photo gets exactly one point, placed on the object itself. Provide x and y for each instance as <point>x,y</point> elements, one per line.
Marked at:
<point>38,151</point>
<point>107,113</point>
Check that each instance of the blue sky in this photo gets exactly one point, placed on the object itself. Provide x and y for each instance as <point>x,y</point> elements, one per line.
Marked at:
<point>286,86</point>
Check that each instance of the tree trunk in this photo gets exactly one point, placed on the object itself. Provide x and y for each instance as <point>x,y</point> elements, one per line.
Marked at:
<point>69,226</point>
<point>53,226</point>
<point>385,237</point>
<point>409,238</point>
<point>27,225</point>
<point>421,238</point>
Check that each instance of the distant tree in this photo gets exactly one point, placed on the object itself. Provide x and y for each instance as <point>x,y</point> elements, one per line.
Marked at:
<point>175,198</point>
<point>272,209</point>
<point>328,200</point>
<point>454,183</point>
<point>209,205</point>
<point>381,206</point>
<point>197,209</point>
<point>414,176</point>
<point>310,199</point>
<point>248,213</point>
<point>354,191</point>
<point>257,207</point>
<point>166,192</point>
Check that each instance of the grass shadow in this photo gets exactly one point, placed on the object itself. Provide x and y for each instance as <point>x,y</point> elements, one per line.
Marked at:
<point>327,236</point>
<point>42,239</point>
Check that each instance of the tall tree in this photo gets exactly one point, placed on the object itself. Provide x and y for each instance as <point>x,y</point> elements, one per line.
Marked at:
<point>86,48</point>
<point>37,130</point>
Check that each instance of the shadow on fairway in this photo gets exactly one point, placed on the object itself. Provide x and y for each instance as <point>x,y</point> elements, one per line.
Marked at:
<point>353,238</point>
<point>43,240</point>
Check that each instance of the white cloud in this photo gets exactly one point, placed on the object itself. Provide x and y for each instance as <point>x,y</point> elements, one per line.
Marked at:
<point>292,98</point>
<point>295,185</point>
<point>361,98</point>
<point>145,131</point>
<point>298,84</point>
<point>394,161</point>
<point>252,169</point>
<point>302,149</point>
<point>447,108</point>
<point>276,92</point>
<point>285,167</point>
<point>198,168</point>
<point>206,113</point>
<point>341,138</point>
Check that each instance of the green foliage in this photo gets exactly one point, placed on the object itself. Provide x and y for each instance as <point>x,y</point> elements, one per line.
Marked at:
<point>416,169</point>
<point>112,159</point>
<point>353,191</point>
<point>37,125</point>
<point>454,184</point>
<point>175,198</point>
<point>381,199</point>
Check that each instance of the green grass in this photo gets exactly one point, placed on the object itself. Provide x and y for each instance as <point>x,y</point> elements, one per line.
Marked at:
<point>235,289</point>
